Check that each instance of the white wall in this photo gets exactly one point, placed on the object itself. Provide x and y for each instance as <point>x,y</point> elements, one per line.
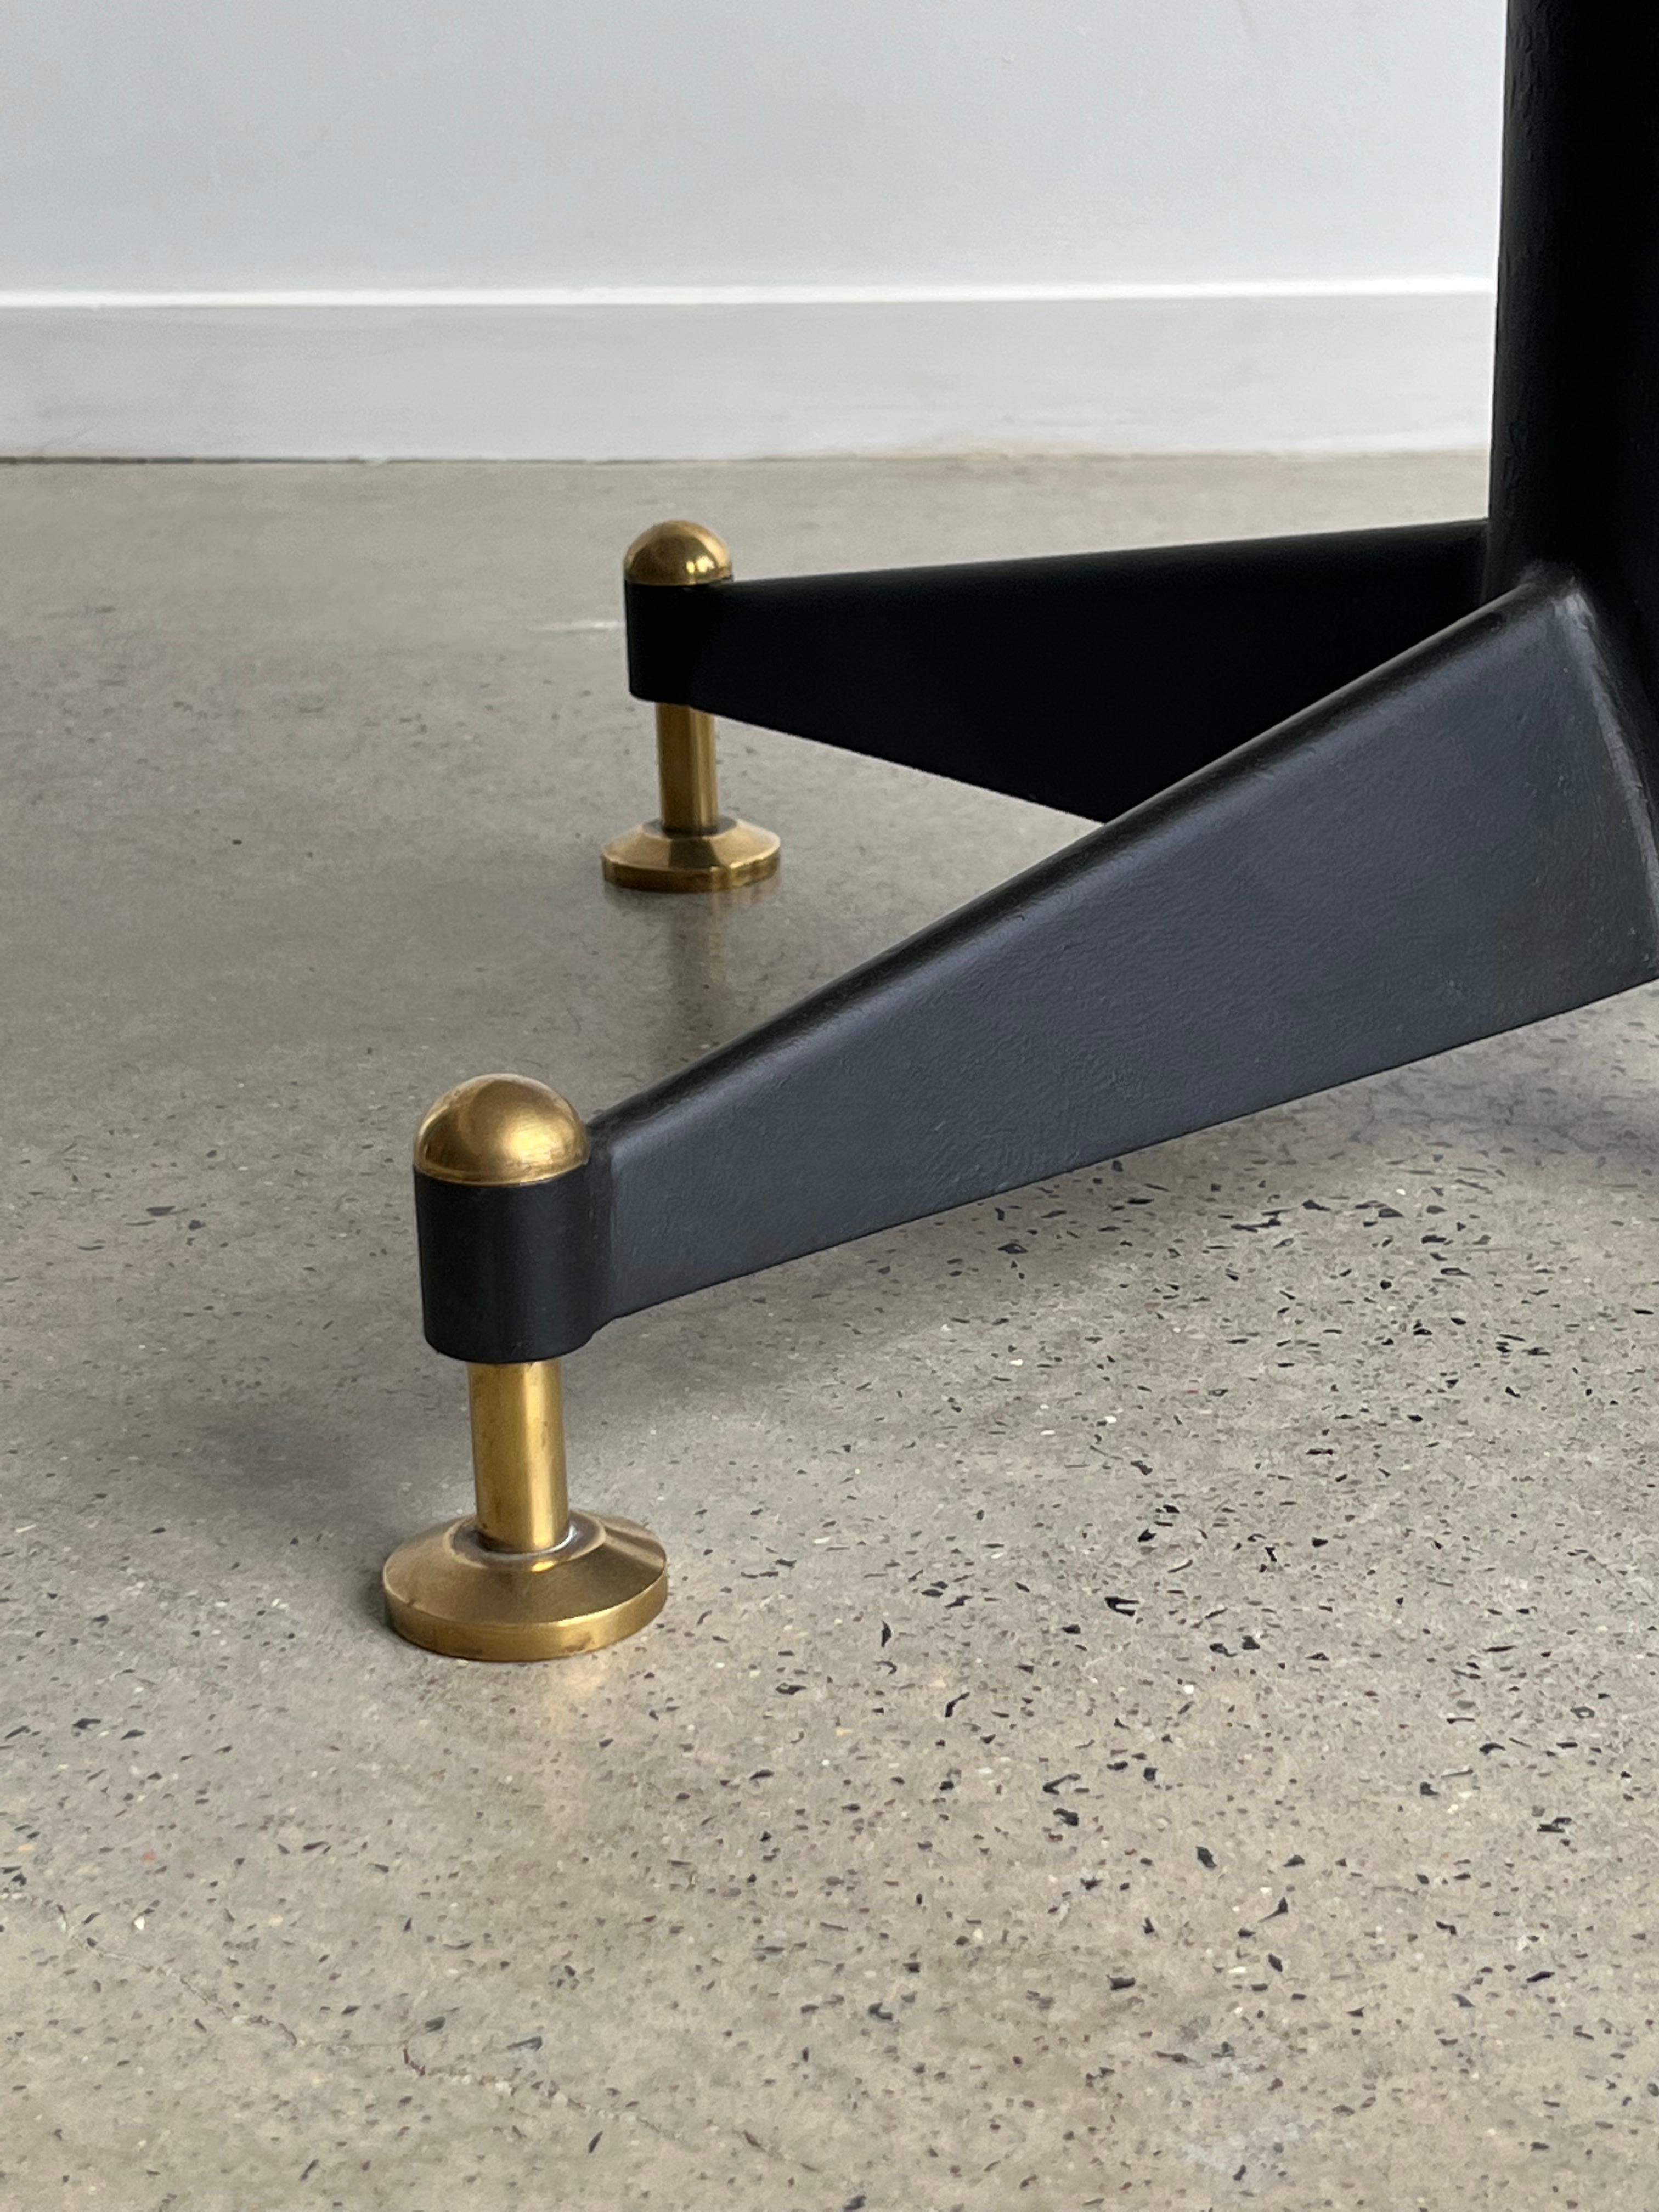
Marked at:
<point>1295,150</point>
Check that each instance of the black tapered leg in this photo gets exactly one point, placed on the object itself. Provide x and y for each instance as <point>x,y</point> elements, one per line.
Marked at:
<point>1086,683</point>
<point>1456,845</point>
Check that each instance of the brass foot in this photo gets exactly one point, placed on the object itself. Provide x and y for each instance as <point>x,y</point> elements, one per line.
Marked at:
<point>449,1591</point>
<point>523,1576</point>
<point>652,858</point>
<point>691,846</point>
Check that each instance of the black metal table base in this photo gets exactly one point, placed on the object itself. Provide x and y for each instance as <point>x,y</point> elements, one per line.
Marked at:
<point>1363,798</point>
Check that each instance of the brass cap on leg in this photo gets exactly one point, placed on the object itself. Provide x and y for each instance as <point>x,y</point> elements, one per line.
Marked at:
<point>500,1129</point>
<point>677,553</point>
<point>522,1576</point>
<point>691,846</point>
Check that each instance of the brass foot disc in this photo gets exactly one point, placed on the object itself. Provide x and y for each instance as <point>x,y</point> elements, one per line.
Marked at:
<point>652,858</point>
<point>448,1592</point>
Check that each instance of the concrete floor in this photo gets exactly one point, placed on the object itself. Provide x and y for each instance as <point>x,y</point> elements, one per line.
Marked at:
<point>1157,1706</point>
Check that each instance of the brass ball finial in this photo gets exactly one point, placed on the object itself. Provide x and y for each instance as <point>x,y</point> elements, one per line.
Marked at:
<point>677,553</point>
<point>501,1129</point>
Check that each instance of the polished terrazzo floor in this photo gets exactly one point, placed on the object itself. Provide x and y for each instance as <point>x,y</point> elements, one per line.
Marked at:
<point>1158,1702</point>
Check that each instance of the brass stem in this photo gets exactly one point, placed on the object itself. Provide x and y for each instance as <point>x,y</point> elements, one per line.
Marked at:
<point>686,772</point>
<point>517,1455</point>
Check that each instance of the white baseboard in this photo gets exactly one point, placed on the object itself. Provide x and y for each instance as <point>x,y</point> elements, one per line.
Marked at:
<point>733,372</point>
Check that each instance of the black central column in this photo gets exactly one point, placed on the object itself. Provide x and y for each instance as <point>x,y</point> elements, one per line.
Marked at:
<point>1576,426</point>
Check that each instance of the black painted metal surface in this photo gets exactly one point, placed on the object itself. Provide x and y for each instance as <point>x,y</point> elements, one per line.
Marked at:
<point>508,1271</point>
<point>1087,682</point>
